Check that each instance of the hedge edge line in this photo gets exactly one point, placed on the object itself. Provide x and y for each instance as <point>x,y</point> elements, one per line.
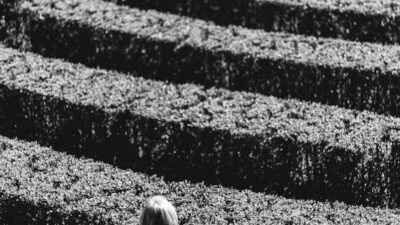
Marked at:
<point>354,75</point>
<point>373,22</point>
<point>41,186</point>
<point>287,147</point>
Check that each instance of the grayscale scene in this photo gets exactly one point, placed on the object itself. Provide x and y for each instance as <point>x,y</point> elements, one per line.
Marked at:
<point>199,112</point>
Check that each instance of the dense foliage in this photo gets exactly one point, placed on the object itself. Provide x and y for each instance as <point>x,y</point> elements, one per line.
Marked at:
<point>42,186</point>
<point>169,47</point>
<point>186,132</point>
<point>200,132</point>
<point>374,21</point>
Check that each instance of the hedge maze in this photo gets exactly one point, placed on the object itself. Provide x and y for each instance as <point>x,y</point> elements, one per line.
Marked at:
<point>41,186</point>
<point>168,47</point>
<point>247,112</point>
<point>372,21</point>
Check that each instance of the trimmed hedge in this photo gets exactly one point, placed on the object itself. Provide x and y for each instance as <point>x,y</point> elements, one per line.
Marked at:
<point>41,186</point>
<point>373,21</point>
<point>8,9</point>
<point>239,12</point>
<point>237,139</point>
<point>168,47</point>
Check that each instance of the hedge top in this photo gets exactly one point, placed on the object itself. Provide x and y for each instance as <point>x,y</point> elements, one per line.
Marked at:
<point>239,113</point>
<point>206,35</point>
<point>41,176</point>
<point>386,7</point>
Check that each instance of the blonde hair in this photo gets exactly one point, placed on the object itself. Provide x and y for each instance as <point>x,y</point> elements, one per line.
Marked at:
<point>158,211</point>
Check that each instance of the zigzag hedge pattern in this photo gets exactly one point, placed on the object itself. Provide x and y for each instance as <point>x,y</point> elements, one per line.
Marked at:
<point>41,186</point>
<point>168,47</point>
<point>185,132</point>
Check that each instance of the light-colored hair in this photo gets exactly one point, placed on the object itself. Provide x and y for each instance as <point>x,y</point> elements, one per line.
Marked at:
<point>158,211</point>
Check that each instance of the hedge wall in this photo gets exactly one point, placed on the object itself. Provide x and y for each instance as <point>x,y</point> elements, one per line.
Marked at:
<point>239,12</point>
<point>238,139</point>
<point>373,21</point>
<point>168,47</point>
<point>8,9</point>
<point>41,186</point>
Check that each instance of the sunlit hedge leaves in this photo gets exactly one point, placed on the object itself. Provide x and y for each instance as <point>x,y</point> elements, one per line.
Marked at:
<point>179,49</point>
<point>237,139</point>
<point>42,186</point>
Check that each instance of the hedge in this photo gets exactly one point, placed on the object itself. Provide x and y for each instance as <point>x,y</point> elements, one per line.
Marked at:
<point>239,12</point>
<point>237,139</point>
<point>372,21</point>
<point>8,9</point>
<point>42,186</point>
<point>161,46</point>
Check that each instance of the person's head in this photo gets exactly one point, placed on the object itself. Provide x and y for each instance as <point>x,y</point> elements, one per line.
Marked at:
<point>158,211</point>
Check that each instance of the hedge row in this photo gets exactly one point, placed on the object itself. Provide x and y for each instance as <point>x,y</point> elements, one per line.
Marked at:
<point>41,186</point>
<point>243,140</point>
<point>168,47</point>
<point>7,10</point>
<point>373,21</point>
